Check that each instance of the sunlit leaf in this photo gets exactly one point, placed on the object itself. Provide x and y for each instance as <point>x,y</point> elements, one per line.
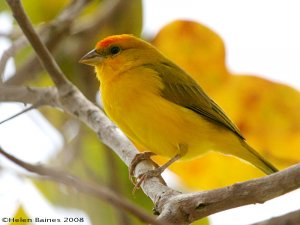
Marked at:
<point>265,111</point>
<point>267,114</point>
<point>196,48</point>
<point>21,217</point>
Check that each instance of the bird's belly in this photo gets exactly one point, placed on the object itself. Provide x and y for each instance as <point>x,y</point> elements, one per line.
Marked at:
<point>161,127</point>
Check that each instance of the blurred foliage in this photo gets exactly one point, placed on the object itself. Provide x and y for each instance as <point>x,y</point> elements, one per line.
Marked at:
<point>265,111</point>
<point>43,11</point>
<point>3,6</point>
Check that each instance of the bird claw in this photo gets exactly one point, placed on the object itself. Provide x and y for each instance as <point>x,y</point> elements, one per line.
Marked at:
<point>136,160</point>
<point>142,177</point>
<point>149,174</point>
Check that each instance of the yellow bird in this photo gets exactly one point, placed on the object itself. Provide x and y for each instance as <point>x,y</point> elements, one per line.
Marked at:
<point>160,107</point>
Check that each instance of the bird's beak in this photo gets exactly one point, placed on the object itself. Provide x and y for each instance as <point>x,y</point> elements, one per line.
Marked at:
<point>92,58</point>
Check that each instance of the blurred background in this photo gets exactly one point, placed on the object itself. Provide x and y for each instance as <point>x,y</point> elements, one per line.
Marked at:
<point>245,54</point>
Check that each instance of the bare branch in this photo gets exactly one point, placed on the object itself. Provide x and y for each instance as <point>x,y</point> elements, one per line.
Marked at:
<point>35,96</point>
<point>98,191</point>
<point>41,50</point>
<point>190,207</point>
<point>292,218</point>
<point>52,34</point>
<point>19,113</point>
<point>108,10</point>
<point>66,18</point>
<point>29,95</point>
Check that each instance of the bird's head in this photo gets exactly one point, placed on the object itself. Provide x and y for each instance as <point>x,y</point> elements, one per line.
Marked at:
<point>119,52</point>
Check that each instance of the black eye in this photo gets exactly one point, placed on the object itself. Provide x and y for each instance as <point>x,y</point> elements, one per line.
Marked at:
<point>115,50</point>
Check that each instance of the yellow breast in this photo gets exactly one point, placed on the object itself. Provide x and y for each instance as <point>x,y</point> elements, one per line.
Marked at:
<point>133,102</point>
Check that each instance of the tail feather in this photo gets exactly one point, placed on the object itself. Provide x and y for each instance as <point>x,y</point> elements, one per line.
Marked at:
<point>257,160</point>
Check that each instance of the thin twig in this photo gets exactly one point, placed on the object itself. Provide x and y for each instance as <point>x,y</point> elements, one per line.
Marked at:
<point>66,18</point>
<point>107,11</point>
<point>49,64</point>
<point>100,192</point>
<point>20,113</point>
<point>52,34</point>
<point>30,95</point>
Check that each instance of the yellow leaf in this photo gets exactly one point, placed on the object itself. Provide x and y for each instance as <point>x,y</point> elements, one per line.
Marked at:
<point>266,112</point>
<point>197,49</point>
<point>20,217</point>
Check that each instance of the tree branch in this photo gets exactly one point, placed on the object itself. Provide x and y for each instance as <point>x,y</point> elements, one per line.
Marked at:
<point>107,11</point>
<point>198,205</point>
<point>291,218</point>
<point>35,96</point>
<point>47,61</point>
<point>53,33</point>
<point>98,191</point>
<point>29,95</point>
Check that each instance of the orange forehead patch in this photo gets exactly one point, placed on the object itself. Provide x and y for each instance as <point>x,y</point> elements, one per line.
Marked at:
<point>112,39</point>
<point>106,42</point>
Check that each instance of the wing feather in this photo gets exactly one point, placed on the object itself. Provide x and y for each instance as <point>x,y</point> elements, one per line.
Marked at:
<point>181,89</point>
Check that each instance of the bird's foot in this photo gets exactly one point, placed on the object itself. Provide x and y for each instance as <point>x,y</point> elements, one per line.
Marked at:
<point>136,160</point>
<point>141,178</point>
<point>149,174</point>
<point>152,173</point>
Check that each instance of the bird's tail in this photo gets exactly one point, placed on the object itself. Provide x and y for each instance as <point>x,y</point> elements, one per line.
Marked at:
<point>257,160</point>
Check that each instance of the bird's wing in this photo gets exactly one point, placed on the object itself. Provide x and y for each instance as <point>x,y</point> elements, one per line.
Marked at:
<point>181,89</point>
